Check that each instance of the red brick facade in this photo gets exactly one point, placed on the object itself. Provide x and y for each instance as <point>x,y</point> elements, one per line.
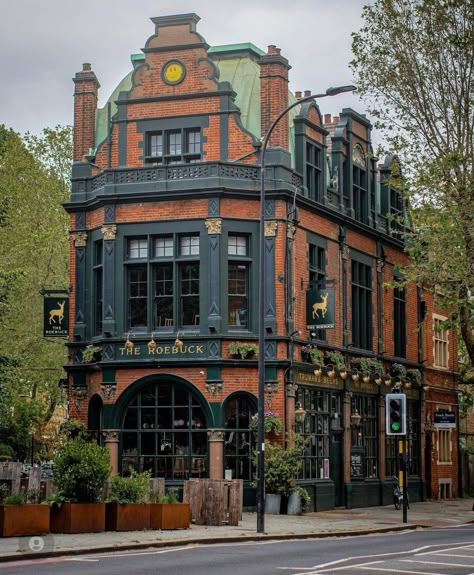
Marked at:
<point>127,194</point>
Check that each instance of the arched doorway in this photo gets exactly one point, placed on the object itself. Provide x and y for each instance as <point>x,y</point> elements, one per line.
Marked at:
<point>164,431</point>
<point>239,440</point>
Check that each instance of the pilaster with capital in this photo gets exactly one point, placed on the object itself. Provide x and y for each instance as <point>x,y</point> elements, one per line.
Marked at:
<point>111,442</point>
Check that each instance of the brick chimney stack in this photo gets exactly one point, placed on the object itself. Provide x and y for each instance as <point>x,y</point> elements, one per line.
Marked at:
<point>85,105</point>
<point>274,95</point>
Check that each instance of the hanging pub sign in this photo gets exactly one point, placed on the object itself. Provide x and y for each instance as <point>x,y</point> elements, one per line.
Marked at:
<point>56,316</point>
<point>320,308</point>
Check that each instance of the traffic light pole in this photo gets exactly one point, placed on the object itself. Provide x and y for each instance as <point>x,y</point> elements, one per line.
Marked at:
<point>402,477</point>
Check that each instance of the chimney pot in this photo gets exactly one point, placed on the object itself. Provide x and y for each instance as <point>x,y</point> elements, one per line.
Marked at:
<point>307,93</point>
<point>86,67</point>
<point>271,49</point>
<point>327,118</point>
<point>298,95</point>
<point>336,119</point>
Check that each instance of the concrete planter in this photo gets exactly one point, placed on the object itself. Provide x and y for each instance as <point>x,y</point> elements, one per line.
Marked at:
<point>127,516</point>
<point>170,516</point>
<point>27,519</point>
<point>78,518</point>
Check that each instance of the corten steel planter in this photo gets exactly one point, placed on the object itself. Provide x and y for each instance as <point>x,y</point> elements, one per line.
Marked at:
<point>170,515</point>
<point>26,519</point>
<point>78,518</point>
<point>127,516</point>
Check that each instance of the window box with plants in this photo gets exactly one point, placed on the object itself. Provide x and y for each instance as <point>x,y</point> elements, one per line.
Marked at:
<point>312,354</point>
<point>413,378</point>
<point>126,509</point>
<point>335,359</point>
<point>272,423</point>
<point>376,370</point>
<point>81,469</point>
<point>22,515</point>
<point>398,372</point>
<point>243,350</point>
<point>166,512</point>
<point>91,354</point>
<point>362,367</point>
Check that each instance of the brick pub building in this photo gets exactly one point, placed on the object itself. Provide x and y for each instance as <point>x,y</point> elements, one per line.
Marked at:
<point>164,267</point>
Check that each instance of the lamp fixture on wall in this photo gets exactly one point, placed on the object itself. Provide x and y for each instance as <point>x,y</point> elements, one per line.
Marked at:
<point>129,344</point>
<point>152,345</point>
<point>300,414</point>
<point>355,418</point>
<point>177,342</point>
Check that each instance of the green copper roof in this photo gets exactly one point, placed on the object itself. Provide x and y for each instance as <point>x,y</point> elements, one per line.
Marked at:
<point>246,46</point>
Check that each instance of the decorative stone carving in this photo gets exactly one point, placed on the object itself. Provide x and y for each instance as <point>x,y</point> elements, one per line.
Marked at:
<point>109,231</point>
<point>214,387</point>
<point>214,226</point>
<point>271,387</point>
<point>380,265</point>
<point>290,231</point>
<point>345,252</point>
<point>358,155</point>
<point>271,227</point>
<point>111,435</point>
<point>216,434</point>
<point>79,393</point>
<point>109,389</point>
<point>79,239</point>
<point>291,389</point>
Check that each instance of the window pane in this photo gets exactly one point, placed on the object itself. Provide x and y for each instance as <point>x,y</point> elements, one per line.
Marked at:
<point>156,145</point>
<point>237,290</point>
<point>174,143</point>
<point>137,248</point>
<point>237,246</point>
<point>163,305</point>
<point>189,288</point>
<point>189,245</point>
<point>138,293</point>
<point>164,247</point>
<point>194,142</point>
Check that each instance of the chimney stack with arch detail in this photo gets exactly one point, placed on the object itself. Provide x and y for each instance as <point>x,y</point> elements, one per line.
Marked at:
<point>85,106</point>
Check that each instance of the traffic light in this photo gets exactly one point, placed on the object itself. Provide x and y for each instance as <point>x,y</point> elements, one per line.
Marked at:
<point>395,413</point>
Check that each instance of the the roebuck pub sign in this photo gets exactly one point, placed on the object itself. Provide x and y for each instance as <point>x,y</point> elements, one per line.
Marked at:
<point>320,308</point>
<point>56,316</point>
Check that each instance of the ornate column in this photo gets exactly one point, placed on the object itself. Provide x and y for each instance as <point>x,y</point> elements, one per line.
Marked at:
<point>346,418</point>
<point>381,438</point>
<point>214,230</point>
<point>109,231</point>
<point>216,453</point>
<point>79,240</point>
<point>111,441</point>
<point>291,389</point>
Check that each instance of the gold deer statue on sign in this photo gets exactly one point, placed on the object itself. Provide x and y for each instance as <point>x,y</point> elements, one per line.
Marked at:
<point>57,312</point>
<point>323,306</point>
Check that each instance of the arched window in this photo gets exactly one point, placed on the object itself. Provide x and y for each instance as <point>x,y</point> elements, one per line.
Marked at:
<point>239,440</point>
<point>164,431</point>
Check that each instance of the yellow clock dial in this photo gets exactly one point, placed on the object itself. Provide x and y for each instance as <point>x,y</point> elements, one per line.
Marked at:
<point>173,72</point>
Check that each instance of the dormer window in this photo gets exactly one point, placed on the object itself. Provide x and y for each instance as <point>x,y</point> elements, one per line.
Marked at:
<point>173,146</point>
<point>359,185</point>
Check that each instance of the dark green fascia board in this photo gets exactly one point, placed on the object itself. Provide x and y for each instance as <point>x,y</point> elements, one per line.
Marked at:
<point>176,48</point>
<point>174,97</point>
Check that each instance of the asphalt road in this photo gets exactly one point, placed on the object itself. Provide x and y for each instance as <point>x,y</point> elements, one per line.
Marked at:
<point>448,551</point>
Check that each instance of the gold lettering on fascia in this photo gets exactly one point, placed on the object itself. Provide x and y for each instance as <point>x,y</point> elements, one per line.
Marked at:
<point>164,350</point>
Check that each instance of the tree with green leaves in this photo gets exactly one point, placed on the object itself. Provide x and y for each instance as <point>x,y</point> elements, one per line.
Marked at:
<point>414,67</point>
<point>34,172</point>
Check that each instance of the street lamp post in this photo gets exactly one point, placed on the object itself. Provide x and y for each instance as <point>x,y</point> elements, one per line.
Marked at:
<point>261,306</point>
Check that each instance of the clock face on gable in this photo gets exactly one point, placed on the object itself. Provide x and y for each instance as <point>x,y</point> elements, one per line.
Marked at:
<point>173,72</point>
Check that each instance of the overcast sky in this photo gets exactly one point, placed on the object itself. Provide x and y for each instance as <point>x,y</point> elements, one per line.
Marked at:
<point>45,42</point>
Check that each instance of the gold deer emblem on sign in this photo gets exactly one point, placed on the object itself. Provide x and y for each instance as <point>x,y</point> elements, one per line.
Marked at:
<point>57,312</point>
<point>321,306</point>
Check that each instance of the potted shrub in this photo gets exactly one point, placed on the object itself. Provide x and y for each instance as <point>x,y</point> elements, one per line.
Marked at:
<point>281,470</point>
<point>166,512</point>
<point>398,372</point>
<point>20,515</point>
<point>298,501</point>
<point>243,350</point>
<point>81,469</point>
<point>126,509</point>
<point>91,354</point>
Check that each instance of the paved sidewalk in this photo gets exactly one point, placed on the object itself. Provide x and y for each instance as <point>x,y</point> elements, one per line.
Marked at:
<point>323,524</point>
